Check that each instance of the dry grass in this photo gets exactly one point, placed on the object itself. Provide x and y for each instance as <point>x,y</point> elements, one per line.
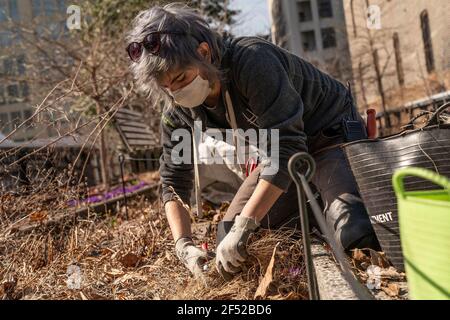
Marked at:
<point>128,259</point>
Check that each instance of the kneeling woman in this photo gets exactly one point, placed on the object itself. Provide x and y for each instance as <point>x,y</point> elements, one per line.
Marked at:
<point>177,58</point>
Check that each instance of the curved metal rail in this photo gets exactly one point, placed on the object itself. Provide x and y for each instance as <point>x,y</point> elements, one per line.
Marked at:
<point>296,163</point>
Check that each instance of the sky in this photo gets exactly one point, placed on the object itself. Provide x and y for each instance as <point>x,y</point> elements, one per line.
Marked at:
<point>254,18</point>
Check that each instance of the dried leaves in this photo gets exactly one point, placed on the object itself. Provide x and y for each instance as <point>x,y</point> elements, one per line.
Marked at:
<point>375,271</point>
<point>130,260</point>
<point>266,281</point>
<point>135,259</point>
<point>391,290</point>
<point>38,216</point>
<point>7,288</point>
<point>279,274</point>
<point>366,257</point>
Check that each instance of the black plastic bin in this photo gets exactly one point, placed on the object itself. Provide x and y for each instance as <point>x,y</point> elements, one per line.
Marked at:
<point>374,161</point>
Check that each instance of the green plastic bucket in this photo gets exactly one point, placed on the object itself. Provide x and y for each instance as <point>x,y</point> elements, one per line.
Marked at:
<point>424,219</point>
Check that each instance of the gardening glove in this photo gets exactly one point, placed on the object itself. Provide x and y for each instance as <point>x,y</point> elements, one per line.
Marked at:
<point>192,257</point>
<point>232,251</point>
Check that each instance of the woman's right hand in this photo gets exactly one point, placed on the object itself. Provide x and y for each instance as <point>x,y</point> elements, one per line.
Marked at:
<point>192,257</point>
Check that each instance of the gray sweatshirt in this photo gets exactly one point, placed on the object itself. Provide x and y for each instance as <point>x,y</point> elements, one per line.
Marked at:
<point>270,88</point>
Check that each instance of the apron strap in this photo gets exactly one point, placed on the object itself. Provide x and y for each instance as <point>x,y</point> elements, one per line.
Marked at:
<point>234,126</point>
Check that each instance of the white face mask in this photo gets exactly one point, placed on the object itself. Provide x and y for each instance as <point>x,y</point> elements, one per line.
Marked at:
<point>194,94</point>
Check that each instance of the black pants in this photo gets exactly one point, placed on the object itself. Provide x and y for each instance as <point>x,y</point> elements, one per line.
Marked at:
<point>343,208</point>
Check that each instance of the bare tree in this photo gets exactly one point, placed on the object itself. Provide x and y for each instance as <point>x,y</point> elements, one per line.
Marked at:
<point>94,57</point>
<point>86,71</point>
<point>377,59</point>
<point>279,32</point>
<point>369,67</point>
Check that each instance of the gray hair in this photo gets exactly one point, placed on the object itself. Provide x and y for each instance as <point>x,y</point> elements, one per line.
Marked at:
<point>177,51</point>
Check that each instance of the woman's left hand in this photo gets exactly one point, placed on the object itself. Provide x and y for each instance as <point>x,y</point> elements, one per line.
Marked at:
<point>232,251</point>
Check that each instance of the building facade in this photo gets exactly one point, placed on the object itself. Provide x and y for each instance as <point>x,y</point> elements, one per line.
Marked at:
<point>394,52</point>
<point>314,30</point>
<point>16,89</point>
<point>400,50</point>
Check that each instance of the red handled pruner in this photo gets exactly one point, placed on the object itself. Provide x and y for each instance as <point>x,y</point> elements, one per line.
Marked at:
<point>250,166</point>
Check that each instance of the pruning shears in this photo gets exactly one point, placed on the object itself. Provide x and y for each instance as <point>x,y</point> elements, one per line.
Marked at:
<point>250,166</point>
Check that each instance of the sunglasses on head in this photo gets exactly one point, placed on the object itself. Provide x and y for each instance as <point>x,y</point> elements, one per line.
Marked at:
<point>151,42</point>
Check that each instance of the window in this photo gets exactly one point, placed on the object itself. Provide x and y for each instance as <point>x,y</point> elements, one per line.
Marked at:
<point>4,123</point>
<point>325,8</point>
<point>27,114</point>
<point>2,95</point>
<point>13,92</point>
<point>304,11</point>
<point>24,89</point>
<point>16,117</point>
<point>328,38</point>
<point>13,10</point>
<point>308,40</point>
<point>21,64</point>
<point>3,119</point>
<point>427,44</point>
<point>8,67</point>
<point>398,59</point>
